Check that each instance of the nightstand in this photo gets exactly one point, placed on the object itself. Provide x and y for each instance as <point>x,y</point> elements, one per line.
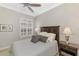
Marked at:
<point>68,49</point>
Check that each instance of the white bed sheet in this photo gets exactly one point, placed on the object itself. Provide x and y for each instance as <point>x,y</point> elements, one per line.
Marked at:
<point>27,48</point>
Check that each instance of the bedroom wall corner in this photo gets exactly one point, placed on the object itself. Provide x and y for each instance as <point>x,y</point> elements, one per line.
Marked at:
<point>8,16</point>
<point>64,15</point>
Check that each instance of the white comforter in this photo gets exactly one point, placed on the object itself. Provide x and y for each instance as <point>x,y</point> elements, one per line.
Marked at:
<point>27,48</point>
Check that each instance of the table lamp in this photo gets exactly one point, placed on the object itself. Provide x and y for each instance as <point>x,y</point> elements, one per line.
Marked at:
<point>67,32</point>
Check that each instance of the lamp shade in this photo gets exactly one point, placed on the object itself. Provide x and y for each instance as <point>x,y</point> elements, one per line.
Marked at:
<point>67,31</point>
<point>37,30</point>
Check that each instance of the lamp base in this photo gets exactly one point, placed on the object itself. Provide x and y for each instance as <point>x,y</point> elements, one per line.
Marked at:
<point>67,39</point>
<point>67,42</point>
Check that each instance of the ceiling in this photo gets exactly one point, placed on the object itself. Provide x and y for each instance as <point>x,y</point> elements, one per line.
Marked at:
<point>37,10</point>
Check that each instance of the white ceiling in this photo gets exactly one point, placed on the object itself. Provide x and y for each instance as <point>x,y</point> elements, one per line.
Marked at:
<point>37,10</point>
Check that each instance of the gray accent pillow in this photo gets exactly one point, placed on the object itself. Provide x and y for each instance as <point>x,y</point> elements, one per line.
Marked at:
<point>43,39</point>
<point>35,38</point>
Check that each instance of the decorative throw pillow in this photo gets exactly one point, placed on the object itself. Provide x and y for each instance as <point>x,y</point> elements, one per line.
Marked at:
<point>35,38</point>
<point>43,39</point>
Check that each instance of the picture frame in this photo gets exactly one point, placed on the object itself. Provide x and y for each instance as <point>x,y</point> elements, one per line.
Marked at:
<point>3,27</point>
<point>9,28</point>
<point>6,27</point>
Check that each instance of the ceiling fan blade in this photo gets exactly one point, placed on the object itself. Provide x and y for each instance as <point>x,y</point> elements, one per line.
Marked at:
<point>30,9</point>
<point>35,5</point>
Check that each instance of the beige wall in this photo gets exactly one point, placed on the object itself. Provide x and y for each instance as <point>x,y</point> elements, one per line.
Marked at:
<point>64,15</point>
<point>10,17</point>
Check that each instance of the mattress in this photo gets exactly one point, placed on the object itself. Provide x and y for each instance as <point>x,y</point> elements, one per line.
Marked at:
<point>27,48</point>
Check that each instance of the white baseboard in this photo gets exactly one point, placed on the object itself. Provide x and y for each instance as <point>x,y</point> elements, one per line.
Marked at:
<point>3,48</point>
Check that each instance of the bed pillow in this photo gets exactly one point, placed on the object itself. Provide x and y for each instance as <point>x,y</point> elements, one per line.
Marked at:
<point>35,38</point>
<point>43,34</point>
<point>51,37</point>
<point>43,39</point>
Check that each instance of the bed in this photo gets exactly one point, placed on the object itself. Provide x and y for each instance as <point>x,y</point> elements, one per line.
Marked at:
<point>26,48</point>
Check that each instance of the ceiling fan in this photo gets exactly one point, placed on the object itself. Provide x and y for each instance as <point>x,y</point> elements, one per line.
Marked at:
<point>30,5</point>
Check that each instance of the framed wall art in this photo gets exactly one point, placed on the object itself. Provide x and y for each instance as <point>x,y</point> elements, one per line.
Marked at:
<point>6,28</point>
<point>10,28</point>
<point>3,27</point>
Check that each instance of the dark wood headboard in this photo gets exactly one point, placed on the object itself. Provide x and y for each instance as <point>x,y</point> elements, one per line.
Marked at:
<point>51,29</point>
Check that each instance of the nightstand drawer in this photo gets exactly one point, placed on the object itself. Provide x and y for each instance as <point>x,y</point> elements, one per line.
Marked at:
<point>68,48</point>
<point>65,54</point>
<point>69,52</point>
